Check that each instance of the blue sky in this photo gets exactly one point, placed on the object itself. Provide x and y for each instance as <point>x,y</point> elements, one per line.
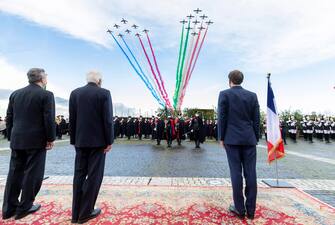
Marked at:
<point>294,40</point>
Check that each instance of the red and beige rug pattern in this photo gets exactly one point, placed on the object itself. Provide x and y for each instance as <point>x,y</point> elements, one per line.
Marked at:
<point>179,206</point>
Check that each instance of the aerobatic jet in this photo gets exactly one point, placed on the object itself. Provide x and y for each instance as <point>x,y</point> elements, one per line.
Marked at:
<point>196,22</point>
<point>134,26</point>
<point>183,21</point>
<point>145,31</point>
<point>209,22</point>
<point>197,11</point>
<point>116,26</point>
<point>190,16</point>
<point>120,35</point>
<point>128,31</point>
<point>124,21</point>
<point>109,31</point>
<point>201,27</point>
<point>203,17</point>
<point>194,33</point>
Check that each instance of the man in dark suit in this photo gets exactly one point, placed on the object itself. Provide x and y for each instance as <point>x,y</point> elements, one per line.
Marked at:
<point>159,128</point>
<point>31,131</point>
<point>92,134</point>
<point>238,132</point>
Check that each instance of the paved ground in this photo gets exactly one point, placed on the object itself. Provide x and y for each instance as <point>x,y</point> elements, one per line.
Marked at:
<point>308,166</point>
<point>135,158</point>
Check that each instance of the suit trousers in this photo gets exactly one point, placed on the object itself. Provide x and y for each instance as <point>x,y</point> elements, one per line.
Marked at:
<point>25,176</point>
<point>243,158</point>
<point>88,175</point>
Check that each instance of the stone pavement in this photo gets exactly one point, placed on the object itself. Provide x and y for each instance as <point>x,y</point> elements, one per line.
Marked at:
<point>324,190</point>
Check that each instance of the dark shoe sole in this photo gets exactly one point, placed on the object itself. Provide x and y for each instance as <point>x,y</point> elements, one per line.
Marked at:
<point>86,220</point>
<point>91,217</point>
<point>8,217</point>
<point>250,217</point>
<point>233,211</point>
<point>21,216</point>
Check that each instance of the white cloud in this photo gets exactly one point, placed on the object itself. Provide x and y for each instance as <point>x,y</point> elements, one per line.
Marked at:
<point>266,34</point>
<point>13,77</point>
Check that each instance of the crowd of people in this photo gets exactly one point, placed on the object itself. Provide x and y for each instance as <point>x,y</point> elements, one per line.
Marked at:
<point>321,128</point>
<point>155,128</point>
<point>62,126</point>
<point>181,128</point>
<point>169,129</point>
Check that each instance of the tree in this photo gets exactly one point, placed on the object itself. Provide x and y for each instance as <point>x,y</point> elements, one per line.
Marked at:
<point>208,114</point>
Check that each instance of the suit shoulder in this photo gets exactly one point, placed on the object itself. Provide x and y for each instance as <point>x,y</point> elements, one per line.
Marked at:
<point>49,93</point>
<point>18,92</point>
<point>76,90</point>
<point>14,93</point>
<point>250,92</point>
<point>105,90</point>
<point>224,92</point>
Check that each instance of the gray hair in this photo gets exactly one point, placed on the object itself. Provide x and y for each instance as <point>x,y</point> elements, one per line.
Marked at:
<point>35,75</point>
<point>93,76</point>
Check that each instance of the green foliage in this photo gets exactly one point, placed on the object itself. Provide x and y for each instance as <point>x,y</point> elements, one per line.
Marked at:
<point>164,113</point>
<point>287,114</point>
<point>208,114</point>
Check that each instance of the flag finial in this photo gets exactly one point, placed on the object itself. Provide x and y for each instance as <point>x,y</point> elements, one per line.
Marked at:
<point>269,75</point>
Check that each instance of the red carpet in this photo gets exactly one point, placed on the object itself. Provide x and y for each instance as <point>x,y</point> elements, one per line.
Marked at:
<point>179,206</point>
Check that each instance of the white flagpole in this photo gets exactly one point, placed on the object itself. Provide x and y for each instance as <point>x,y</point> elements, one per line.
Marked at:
<point>276,184</point>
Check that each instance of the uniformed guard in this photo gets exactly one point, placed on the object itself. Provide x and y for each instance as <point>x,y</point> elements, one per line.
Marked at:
<point>310,129</point>
<point>292,126</point>
<point>179,129</point>
<point>117,127</point>
<point>159,130</point>
<point>332,128</point>
<point>197,130</point>
<point>170,131</point>
<point>320,130</point>
<point>303,124</point>
<point>326,130</point>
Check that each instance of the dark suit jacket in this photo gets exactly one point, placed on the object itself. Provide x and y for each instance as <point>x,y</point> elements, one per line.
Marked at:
<point>238,117</point>
<point>31,118</point>
<point>91,117</point>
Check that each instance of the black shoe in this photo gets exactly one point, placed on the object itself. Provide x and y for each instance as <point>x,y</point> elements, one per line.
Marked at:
<point>235,212</point>
<point>93,215</point>
<point>32,210</point>
<point>250,216</point>
<point>74,221</point>
<point>8,216</point>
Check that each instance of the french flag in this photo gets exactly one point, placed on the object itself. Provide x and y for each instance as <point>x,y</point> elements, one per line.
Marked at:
<point>274,138</point>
